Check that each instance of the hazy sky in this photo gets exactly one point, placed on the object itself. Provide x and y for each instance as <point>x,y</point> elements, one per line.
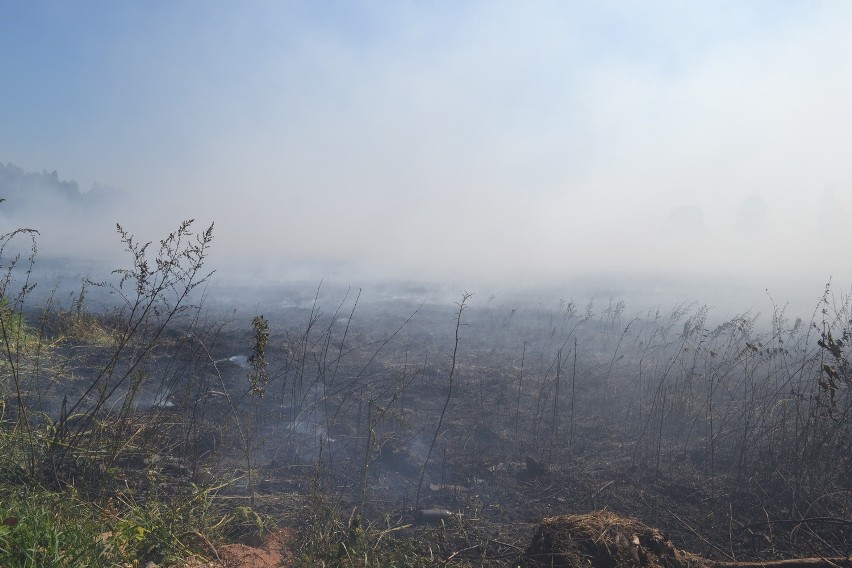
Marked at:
<point>517,141</point>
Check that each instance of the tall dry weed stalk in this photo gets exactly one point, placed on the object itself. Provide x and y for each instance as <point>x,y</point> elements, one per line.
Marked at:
<point>461,307</point>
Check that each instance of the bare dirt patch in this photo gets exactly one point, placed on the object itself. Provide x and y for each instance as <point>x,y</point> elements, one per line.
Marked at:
<point>274,552</point>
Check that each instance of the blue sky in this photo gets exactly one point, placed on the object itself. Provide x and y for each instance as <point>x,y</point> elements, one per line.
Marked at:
<point>480,141</point>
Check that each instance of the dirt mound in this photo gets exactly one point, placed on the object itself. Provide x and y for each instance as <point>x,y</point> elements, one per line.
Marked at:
<point>604,540</point>
<point>273,553</point>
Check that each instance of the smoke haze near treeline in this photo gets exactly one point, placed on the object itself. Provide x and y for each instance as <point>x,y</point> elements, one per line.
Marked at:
<point>78,240</point>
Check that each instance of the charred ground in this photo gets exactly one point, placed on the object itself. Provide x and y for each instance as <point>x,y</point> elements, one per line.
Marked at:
<point>723,435</point>
<point>400,433</point>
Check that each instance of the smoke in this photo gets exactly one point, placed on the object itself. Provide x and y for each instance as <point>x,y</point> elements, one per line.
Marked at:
<point>482,146</point>
<point>70,222</point>
<point>752,215</point>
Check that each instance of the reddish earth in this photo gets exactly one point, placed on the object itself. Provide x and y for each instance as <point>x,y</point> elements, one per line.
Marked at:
<point>274,552</point>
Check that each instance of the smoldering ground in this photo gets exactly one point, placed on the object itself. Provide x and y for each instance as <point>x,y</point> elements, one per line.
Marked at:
<point>372,402</point>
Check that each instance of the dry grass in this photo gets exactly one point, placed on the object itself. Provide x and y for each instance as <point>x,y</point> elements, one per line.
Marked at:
<point>604,540</point>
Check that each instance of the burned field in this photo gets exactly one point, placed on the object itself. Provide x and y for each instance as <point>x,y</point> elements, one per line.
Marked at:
<point>389,431</point>
<point>723,436</point>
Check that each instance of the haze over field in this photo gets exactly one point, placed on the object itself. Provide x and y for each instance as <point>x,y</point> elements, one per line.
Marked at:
<point>699,148</point>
